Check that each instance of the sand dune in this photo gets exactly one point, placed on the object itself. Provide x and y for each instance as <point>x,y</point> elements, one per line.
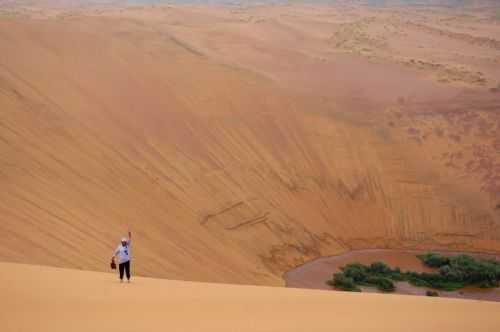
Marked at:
<point>237,143</point>
<point>51,299</point>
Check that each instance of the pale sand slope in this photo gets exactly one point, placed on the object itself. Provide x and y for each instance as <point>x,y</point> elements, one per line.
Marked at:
<point>53,299</point>
<point>247,140</point>
<point>119,122</point>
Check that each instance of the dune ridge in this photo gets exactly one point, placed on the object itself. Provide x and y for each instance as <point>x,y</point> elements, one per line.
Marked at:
<point>83,301</point>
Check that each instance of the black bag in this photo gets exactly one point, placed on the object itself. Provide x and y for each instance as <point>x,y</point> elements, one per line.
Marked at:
<point>113,265</point>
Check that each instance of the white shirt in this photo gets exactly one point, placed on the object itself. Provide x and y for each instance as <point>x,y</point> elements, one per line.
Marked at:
<point>123,252</point>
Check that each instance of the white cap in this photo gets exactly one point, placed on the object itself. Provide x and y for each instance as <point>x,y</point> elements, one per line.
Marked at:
<point>124,239</point>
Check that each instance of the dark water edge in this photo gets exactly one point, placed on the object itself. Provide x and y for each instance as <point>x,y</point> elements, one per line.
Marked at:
<point>314,274</point>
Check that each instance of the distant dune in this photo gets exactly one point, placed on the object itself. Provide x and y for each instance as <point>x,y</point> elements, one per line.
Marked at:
<point>237,143</point>
<point>36,298</point>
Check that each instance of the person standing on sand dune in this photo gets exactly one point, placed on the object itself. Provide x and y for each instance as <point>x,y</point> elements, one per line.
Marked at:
<point>123,253</point>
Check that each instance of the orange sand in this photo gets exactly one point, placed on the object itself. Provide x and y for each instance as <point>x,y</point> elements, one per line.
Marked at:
<point>237,143</point>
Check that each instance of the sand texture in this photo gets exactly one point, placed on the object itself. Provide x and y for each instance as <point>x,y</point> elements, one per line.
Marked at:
<point>38,298</point>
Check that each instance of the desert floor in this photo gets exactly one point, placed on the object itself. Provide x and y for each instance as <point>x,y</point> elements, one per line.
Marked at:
<point>37,298</point>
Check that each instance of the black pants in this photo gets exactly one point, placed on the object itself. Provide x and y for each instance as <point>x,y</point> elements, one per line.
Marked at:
<point>124,267</point>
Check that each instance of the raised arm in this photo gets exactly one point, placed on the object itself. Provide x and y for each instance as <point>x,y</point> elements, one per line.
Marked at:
<point>129,237</point>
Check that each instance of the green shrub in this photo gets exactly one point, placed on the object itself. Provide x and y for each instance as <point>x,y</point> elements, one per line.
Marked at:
<point>448,286</point>
<point>397,275</point>
<point>450,274</point>
<point>358,272</point>
<point>488,284</point>
<point>341,281</point>
<point>379,268</point>
<point>418,282</point>
<point>432,259</point>
<point>382,284</point>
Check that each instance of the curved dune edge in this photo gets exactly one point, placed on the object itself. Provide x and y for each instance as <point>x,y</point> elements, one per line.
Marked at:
<point>53,299</point>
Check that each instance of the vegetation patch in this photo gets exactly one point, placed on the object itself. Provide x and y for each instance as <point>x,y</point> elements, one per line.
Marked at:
<point>452,273</point>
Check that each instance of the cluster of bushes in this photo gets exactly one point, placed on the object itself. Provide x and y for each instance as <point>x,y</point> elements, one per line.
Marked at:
<point>458,271</point>
<point>432,259</point>
<point>377,275</point>
<point>341,281</point>
<point>452,273</point>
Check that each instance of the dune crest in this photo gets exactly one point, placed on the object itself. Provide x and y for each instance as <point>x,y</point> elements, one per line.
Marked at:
<point>83,301</point>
